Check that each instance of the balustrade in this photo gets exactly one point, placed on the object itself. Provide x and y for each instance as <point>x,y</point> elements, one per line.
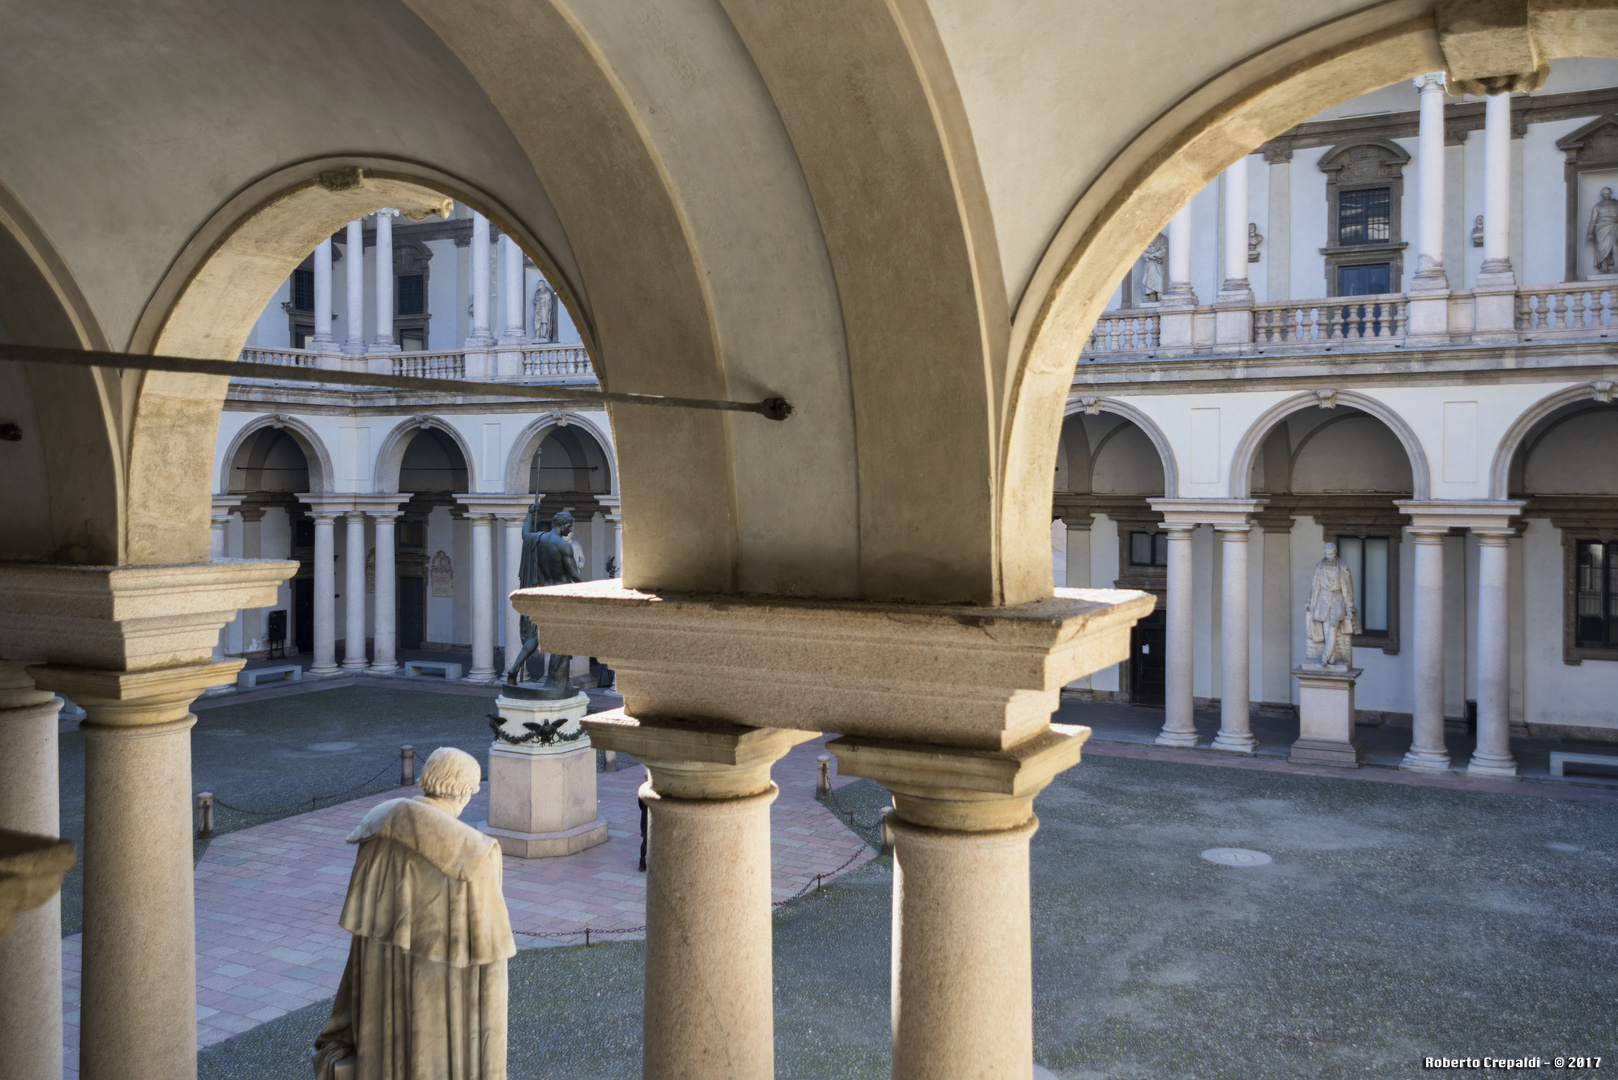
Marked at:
<point>557,361</point>
<point>1125,330</point>
<point>431,365</point>
<point>284,357</point>
<point>1566,307</point>
<point>1353,318</point>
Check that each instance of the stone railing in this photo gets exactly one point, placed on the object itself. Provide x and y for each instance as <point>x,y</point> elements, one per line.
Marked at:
<point>284,357</point>
<point>557,361</point>
<point>1578,307</point>
<point>431,365</point>
<point>1347,319</point>
<point>1125,329</point>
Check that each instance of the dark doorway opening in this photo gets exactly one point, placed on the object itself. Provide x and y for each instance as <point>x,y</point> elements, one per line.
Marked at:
<point>412,612</point>
<point>1148,662</point>
<point>303,614</point>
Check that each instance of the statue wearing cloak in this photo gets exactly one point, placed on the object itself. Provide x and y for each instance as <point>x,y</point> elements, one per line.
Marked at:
<point>1603,232</point>
<point>1330,616</point>
<point>424,992</point>
<point>548,558</point>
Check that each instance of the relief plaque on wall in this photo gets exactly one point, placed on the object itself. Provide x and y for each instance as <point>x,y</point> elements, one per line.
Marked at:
<point>441,575</point>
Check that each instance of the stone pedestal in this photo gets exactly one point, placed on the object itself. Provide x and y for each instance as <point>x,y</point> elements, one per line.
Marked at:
<point>1326,716</point>
<point>542,795</point>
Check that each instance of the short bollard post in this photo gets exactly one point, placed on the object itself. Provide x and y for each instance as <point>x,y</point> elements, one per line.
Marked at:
<point>205,815</point>
<point>823,780</point>
<point>609,761</point>
<point>887,831</point>
<point>407,765</point>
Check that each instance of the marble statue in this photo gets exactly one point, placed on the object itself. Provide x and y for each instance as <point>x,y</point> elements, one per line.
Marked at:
<point>548,558</point>
<point>544,312</point>
<point>1329,615</point>
<point>1151,278</point>
<point>424,992</point>
<point>1604,232</point>
<point>1254,239</point>
<point>1477,232</point>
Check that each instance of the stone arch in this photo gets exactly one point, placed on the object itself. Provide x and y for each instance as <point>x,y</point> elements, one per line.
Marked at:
<point>1241,465</point>
<point>390,455</point>
<point>1221,120</point>
<point>528,440</point>
<point>1171,472</point>
<point>1500,468</point>
<point>321,475</point>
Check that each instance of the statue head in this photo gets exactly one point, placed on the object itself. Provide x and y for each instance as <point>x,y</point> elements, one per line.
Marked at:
<point>1330,553</point>
<point>451,775</point>
<point>1606,193</point>
<point>562,524</point>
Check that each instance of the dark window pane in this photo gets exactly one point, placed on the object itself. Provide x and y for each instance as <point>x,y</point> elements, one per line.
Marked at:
<point>1160,549</point>
<point>303,290</point>
<point>301,336</point>
<point>1140,549</point>
<point>1364,280</point>
<point>412,294</point>
<point>1593,621</point>
<point>1365,217</point>
<point>413,339</point>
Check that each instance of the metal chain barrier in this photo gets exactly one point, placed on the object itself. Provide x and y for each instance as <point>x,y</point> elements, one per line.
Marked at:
<point>314,801</point>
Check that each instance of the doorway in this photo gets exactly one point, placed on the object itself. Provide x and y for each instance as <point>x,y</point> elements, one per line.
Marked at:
<point>412,613</point>
<point>303,614</point>
<point>1148,662</point>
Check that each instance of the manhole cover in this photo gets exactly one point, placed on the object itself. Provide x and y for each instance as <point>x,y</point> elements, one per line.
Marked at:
<point>1235,856</point>
<point>328,747</point>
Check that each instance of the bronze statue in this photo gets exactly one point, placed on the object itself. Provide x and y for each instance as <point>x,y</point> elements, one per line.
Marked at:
<point>547,559</point>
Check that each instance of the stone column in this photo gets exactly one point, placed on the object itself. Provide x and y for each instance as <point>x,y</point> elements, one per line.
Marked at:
<point>1078,549</point>
<point>1178,726</point>
<point>1234,730</point>
<point>354,590</point>
<point>380,354</point>
<point>510,582</point>
<point>31,958</point>
<point>1427,748</point>
<point>354,274</point>
<point>1429,288</point>
<point>322,342</point>
<point>219,548</point>
<point>962,984</point>
<point>615,532</point>
<point>1495,294</point>
<point>509,358</point>
<point>1493,754</point>
<point>709,1001</point>
<point>480,341</point>
<point>1179,303</point>
<point>325,643</point>
<point>1233,320</point>
<point>482,598</point>
<point>385,635</point>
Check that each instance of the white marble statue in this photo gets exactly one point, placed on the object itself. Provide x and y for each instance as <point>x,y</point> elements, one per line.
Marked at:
<point>544,312</point>
<point>1151,276</point>
<point>424,992</point>
<point>1604,232</point>
<point>1329,615</point>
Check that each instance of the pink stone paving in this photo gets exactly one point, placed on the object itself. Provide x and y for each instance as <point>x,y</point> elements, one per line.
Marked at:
<point>267,898</point>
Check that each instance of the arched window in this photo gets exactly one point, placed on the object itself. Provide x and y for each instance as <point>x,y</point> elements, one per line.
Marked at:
<point>1364,188</point>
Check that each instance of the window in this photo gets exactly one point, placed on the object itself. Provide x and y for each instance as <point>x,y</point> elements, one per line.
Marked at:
<point>1148,549</point>
<point>412,534</point>
<point>1367,560</point>
<point>303,291</point>
<point>1595,623</point>
<point>412,294</point>
<point>1364,280</point>
<point>413,339</point>
<point>1364,216</point>
<point>301,333</point>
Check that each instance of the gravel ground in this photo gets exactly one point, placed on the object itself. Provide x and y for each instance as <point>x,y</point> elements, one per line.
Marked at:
<point>1393,922</point>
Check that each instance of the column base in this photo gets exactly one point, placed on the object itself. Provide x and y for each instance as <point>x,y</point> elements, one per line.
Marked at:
<point>1494,304</point>
<point>325,672</point>
<point>358,667</point>
<point>1177,738</point>
<point>482,678</point>
<point>383,669</point>
<point>1235,744</point>
<point>1495,768</point>
<point>1425,761</point>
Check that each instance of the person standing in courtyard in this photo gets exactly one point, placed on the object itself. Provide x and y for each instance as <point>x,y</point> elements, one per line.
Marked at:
<point>424,992</point>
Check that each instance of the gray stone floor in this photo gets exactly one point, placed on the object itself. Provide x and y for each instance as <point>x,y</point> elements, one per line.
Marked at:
<point>1395,921</point>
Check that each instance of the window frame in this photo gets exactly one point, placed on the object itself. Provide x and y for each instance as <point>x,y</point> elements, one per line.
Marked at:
<point>1574,653</point>
<point>1364,165</point>
<point>1371,638</point>
<point>1334,532</point>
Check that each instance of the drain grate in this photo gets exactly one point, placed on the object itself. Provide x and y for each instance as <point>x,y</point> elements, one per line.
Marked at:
<point>1235,856</point>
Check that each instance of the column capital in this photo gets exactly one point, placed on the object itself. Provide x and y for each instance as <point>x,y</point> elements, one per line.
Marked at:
<point>1226,514</point>
<point>129,618</point>
<point>990,676</point>
<point>136,698</point>
<point>1479,515</point>
<point>693,759</point>
<point>327,505</point>
<point>387,211</point>
<point>390,504</point>
<point>1431,81</point>
<point>496,504</point>
<point>222,505</point>
<point>943,787</point>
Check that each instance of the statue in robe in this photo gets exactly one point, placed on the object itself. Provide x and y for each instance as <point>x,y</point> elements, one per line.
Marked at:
<point>548,558</point>
<point>544,312</point>
<point>424,992</point>
<point>1330,617</point>
<point>1151,275</point>
<point>1603,232</point>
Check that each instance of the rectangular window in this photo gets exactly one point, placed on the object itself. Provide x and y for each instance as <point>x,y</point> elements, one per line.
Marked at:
<point>1364,216</point>
<point>412,294</point>
<point>1148,549</point>
<point>413,339</point>
<point>303,290</point>
<point>301,336</point>
<point>1364,280</point>
<point>1367,561</point>
<point>1596,618</point>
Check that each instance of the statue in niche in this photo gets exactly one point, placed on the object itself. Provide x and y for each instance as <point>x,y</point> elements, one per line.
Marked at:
<point>544,312</point>
<point>548,558</point>
<point>1254,239</point>
<point>441,574</point>
<point>1477,232</point>
<point>1603,232</point>
<point>1151,274</point>
<point>424,992</point>
<point>370,571</point>
<point>1330,617</point>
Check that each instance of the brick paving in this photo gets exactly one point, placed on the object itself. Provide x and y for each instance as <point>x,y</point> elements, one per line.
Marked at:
<point>268,897</point>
